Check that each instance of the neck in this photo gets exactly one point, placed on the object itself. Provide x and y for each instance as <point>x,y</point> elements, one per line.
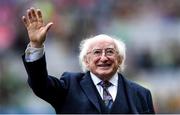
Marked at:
<point>105,77</point>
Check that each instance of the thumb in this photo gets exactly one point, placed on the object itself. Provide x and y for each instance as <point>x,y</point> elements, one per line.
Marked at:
<point>48,26</point>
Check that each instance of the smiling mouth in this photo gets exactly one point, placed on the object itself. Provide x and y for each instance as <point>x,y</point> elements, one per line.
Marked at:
<point>104,65</point>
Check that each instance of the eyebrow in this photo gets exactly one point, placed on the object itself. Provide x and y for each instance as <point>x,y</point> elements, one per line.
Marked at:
<point>102,49</point>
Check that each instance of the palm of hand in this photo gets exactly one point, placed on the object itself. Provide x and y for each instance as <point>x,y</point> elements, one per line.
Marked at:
<point>36,29</point>
<point>36,32</point>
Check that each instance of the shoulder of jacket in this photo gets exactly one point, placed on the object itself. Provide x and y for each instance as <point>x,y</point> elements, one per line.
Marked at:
<point>133,84</point>
<point>73,74</point>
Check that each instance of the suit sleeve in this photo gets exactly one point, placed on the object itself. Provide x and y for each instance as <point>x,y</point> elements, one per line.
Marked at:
<point>44,86</point>
<point>150,103</point>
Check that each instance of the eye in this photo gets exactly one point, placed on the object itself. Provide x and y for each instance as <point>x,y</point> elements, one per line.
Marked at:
<point>109,52</point>
<point>97,52</point>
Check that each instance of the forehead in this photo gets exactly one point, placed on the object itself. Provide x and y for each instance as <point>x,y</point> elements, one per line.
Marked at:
<point>102,44</point>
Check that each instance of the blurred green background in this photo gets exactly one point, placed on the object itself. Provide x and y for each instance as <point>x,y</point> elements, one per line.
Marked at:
<point>150,29</point>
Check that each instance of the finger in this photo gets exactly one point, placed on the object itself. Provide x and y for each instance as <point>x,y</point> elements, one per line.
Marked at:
<point>26,22</point>
<point>39,16</point>
<point>33,14</point>
<point>47,27</point>
<point>29,15</point>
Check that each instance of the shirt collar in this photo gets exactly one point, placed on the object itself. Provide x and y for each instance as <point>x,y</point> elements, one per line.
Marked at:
<point>113,80</point>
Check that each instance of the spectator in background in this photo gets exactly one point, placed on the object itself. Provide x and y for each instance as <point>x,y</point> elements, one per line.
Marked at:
<point>100,89</point>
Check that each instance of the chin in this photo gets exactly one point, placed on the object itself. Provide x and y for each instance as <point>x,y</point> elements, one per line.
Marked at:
<point>105,73</point>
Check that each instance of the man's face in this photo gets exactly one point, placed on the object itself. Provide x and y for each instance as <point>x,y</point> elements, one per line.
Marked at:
<point>102,58</point>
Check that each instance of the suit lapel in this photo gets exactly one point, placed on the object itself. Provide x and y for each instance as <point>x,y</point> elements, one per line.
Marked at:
<point>88,87</point>
<point>131,95</point>
<point>119,102</point>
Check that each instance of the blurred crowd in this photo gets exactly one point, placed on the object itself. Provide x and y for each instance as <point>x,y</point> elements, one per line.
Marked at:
<point>150,29</point>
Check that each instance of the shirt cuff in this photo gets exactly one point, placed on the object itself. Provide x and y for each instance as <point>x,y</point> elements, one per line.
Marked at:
<point>33,54</point>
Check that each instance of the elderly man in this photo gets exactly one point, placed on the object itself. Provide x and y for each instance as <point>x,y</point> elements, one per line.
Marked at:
<point>101,88</point>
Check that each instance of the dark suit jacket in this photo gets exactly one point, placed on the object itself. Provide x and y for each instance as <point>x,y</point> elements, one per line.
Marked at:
<point>75,92</point>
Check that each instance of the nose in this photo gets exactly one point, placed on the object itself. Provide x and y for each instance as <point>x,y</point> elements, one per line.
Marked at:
<point>103,57</point>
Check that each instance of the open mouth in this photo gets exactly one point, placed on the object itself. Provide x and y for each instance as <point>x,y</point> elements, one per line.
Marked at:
<point>104,65</point>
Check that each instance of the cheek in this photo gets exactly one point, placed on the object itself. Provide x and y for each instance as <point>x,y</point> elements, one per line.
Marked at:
<point>116,61</point>
<point>93,62</point>
<point>90,61</point>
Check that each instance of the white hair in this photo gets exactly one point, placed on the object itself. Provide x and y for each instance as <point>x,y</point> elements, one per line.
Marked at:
<point>85,45</point>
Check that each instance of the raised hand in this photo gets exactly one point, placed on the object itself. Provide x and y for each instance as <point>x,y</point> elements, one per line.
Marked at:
<point>34,24</point>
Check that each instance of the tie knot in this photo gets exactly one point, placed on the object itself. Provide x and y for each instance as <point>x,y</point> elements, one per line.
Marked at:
<point>105,84</point>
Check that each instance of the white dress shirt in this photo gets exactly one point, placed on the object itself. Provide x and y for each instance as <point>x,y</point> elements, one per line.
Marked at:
<point>33,54</point>
<point>112,89</point>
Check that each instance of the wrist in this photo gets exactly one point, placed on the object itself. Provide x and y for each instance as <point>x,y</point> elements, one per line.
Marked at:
<point>35,45</point>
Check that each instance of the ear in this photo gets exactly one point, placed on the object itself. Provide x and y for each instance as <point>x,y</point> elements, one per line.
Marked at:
<point>86,61</point>
<point>119,59</point>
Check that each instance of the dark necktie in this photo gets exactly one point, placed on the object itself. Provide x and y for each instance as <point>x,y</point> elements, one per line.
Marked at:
<point>107,98</point>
